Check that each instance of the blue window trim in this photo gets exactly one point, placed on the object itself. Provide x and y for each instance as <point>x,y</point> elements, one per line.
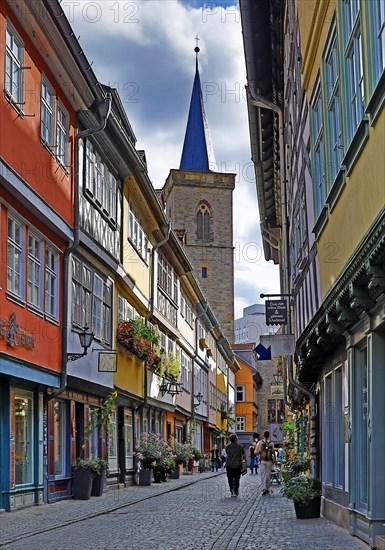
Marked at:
<point>317,97</point>
<point>345,45</point>
<point>375,73</point>
<point>330,98</point>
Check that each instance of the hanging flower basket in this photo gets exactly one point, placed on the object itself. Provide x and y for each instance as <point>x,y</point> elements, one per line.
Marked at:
<point>140,339</point>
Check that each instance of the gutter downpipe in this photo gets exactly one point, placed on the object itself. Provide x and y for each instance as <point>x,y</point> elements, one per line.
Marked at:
<point>104,109</point>
<point>258,101</point>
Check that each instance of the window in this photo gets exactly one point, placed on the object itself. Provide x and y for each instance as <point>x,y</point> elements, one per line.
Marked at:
<point>14,67</point>
<point>186,371</point>
<point>54,123</point>
<point>125,310</point>
<point>47,113</point>
<point>59,426</point>
<point>241,393</point>
<point>100,184</point>
<point>128,433</point>
<point>333,429</point>
<point>333,106</point>
<point>137,233</point>
<point>24,436</point>
<point>221,400</point>
<point>186,309</point>
<point>213,396</point>
<point>15,257</point>
<point>318,158</point>
<point>35,271</point>
<point>353,63</point>
<point>203,223</point>
<point>204,272</point>
<point>97,306</point>
<point>112,440</point>
<point>167,295</point>
<point>91,300</point>
<point>62,138</point>
<point>379,17</point>
<point>51,283</point>
<point>240,422</point>
<point>275,411</point>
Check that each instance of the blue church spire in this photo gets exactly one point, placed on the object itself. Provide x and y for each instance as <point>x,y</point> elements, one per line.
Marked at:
<point>197,154</point>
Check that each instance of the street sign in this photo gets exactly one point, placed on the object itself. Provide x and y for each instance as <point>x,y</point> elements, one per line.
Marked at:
<point>280,344</point>
<point>276,312</point>
<point>264,354</point>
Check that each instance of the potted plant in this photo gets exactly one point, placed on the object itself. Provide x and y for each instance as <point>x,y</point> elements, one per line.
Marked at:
<point>93,469</point>
<point>183,452</point>
<point>305,492</point>
<point>169,365</point>
<point>84,471</point>
<point>295,467</point>
<point>148,452</point>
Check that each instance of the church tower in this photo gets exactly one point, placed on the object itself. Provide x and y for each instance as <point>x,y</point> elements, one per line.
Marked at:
<point>199,203</point>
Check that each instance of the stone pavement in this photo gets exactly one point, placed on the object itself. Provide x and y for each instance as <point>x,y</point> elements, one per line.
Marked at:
<point>193,513</point>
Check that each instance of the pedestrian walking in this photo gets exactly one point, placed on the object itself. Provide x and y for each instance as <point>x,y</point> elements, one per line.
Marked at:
<point>214,458</point>
<point>223,457</point>
<point>234,464</point>
<point>265,448</point>
<point>253,458</point>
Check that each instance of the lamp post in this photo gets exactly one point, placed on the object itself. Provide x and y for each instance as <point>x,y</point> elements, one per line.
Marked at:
<point>85,336</point>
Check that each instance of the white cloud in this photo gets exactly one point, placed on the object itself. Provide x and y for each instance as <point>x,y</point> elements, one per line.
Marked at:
<point>146,49</point>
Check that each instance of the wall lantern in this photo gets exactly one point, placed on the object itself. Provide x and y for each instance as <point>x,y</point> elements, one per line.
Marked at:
<point>85,337</point>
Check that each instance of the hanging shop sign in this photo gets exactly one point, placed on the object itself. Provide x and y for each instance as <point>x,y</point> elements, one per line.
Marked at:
<point>15,334</point>
<point>108,361</point>
<point>276,312</point>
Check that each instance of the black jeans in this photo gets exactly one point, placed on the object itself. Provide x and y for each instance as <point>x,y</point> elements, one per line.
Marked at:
<point>233,477</point>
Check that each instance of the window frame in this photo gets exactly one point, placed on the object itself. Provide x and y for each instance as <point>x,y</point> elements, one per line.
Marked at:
<point>241,389</point>
<point>19,249</point>
<point>45,108</point>
<point>354,83</point>
<point>83,284</point>
<point>100,186</point>
<point>332,107</point>
<point>51,274</point>
<point>240,422</point>
<point>62,131</point>
<point>17,101</point>
<point>318,149</point>
<point>137,232</point>
<point>35,264</point>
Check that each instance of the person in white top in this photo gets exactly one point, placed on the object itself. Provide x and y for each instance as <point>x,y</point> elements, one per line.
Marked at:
<point>265,448</point>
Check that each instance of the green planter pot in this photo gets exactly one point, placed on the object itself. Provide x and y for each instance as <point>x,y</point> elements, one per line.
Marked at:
<point>309,510</point>
<point>98,483</point>
<point>145,477</point>
<point>82,483</point>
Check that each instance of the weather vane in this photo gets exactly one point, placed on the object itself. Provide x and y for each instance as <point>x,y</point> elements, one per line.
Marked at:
<point>196,49</point>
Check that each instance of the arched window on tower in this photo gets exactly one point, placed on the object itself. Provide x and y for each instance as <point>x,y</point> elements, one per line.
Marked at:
<point>203,222</point>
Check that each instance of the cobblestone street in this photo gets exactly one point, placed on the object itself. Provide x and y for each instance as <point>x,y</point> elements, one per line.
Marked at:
<point>193,513</point>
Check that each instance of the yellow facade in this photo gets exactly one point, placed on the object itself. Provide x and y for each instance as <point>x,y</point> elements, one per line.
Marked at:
<point>351,217</point>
